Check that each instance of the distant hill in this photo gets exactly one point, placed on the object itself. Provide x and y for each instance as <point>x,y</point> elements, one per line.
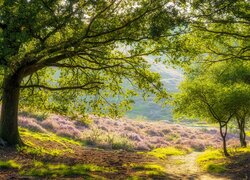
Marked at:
<point>149,109</point>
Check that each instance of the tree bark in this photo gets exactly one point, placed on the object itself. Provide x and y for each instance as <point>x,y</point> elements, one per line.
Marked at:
<point>241,125</point>
<point>225,147</point>
<point>9,114</point>
<point>224,135</point>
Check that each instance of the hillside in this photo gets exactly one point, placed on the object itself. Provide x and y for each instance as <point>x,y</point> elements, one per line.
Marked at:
<point>149,109</point>
<point>104,148</point>
<point>128,134</point>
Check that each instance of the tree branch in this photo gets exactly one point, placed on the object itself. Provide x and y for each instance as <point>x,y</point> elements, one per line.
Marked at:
<point>81,87</point>
<point>71,66</point>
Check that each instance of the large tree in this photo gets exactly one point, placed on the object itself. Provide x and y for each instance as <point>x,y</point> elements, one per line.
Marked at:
<point>84,47</point>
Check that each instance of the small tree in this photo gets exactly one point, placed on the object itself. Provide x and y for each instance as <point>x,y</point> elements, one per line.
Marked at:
<point>220,93</point>
<point>200,98</point>
<point>236,76</point>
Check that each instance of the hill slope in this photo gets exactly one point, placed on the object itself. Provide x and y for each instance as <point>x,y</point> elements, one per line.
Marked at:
<point>149,109</point>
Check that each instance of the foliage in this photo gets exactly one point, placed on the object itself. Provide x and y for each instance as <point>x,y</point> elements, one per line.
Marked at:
<point>217,31</point>
<point>163,153</point>
<point>219,94</point>
<point>96,45</point>
<point>11,164</point>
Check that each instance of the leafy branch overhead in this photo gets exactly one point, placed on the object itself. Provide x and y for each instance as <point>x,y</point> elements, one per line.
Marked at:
<point>86,48</point>
<point>85,41</point>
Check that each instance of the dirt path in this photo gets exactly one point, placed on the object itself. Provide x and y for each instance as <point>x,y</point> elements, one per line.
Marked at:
<point>185,167</point>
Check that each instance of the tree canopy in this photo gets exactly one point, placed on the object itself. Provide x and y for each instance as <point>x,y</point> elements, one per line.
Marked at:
<point>85,48</point>
<point>217,31</point>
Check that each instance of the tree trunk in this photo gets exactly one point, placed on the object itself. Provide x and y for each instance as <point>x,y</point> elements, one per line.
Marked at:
<point>224,135</point>
<point>9,114</point>
<point>225,146</point>
<point>243,142</point>
<point>241,125</point>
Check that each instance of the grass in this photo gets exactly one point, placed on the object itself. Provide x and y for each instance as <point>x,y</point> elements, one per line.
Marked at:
<point>35,143</point>
<point>59,170</point>
<point>163,153</point>
<point>11,164</point>
<point>40,151</point>
<point>214,161</point>
<point>146,169</point>
<point>47,137</point>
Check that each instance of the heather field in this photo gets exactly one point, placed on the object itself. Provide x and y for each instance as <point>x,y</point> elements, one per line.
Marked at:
<point>128,134</point>
<point>59,147</point>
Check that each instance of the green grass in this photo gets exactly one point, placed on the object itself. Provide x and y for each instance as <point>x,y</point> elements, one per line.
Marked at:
<point>59,170</point>
<point>248,133</point>
<point>155,167</point>
<point>32,139</point>
<point>47,137</point>
<point>214,161</point>
<point>11,164</point>
<point>163,153</point>
<point>146,169</point>
<point>40,151</point>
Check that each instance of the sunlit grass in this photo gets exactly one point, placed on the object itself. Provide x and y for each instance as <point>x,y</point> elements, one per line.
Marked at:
<point>248,133</point>
<point>146,169</point>
<point>33,147</point>
<point>11,164</point>
<point>214,161</point>
<point>47,137</point>
<point>163,153</point>
<point>59,170</point>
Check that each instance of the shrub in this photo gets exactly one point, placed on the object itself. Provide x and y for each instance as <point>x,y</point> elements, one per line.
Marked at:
<point>31,124</point>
